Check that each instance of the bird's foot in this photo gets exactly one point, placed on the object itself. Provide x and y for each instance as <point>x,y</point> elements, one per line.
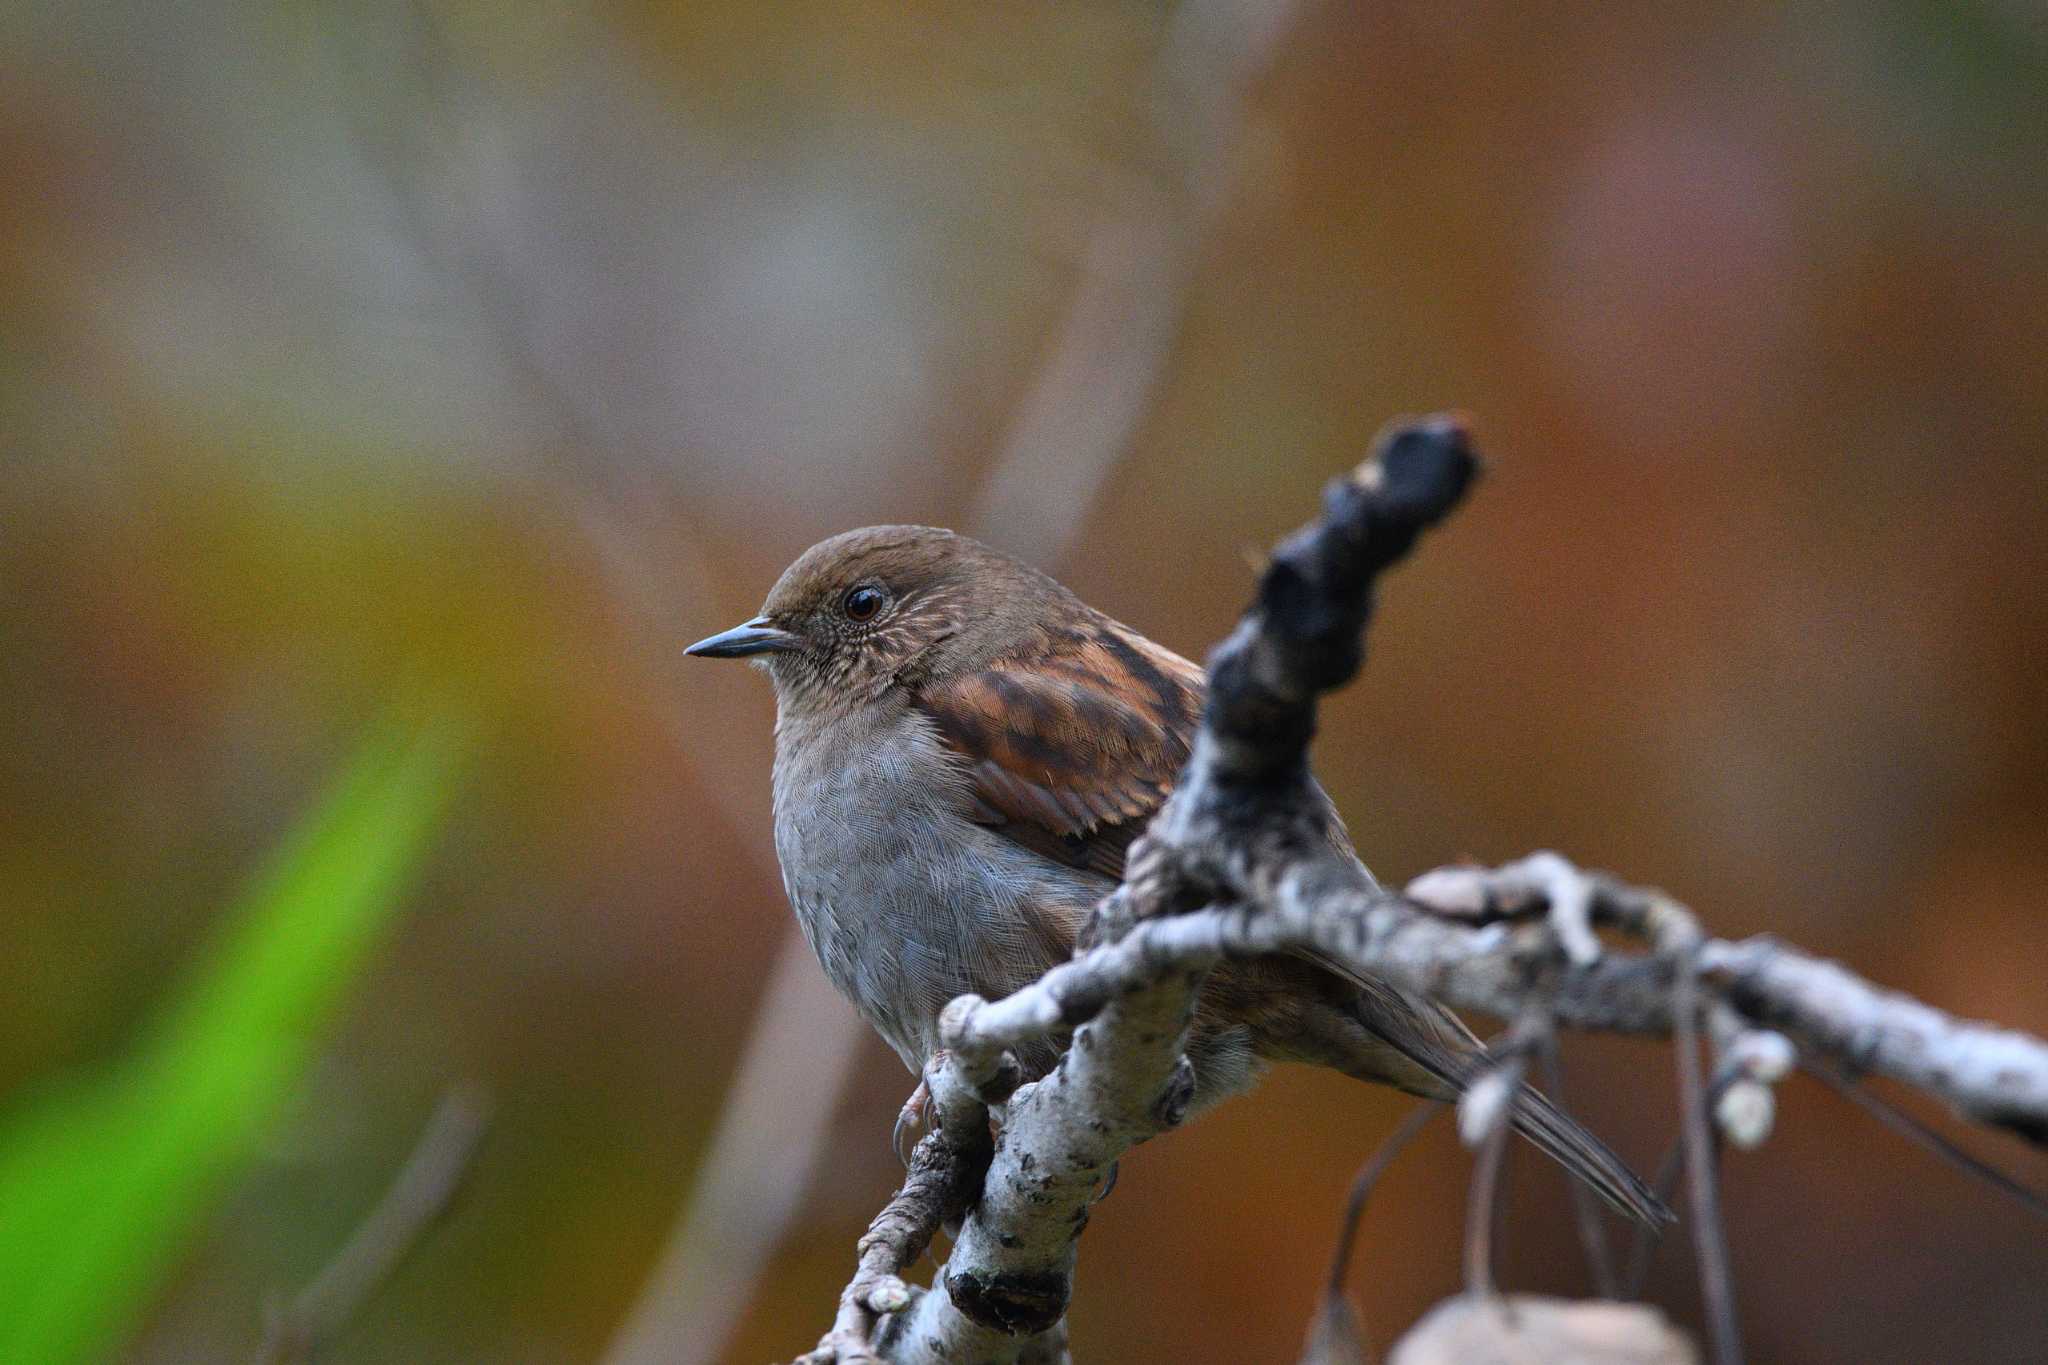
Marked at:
<point>915,1116</point>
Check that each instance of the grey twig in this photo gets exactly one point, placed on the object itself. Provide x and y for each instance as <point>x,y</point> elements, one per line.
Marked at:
<point>1486,1114</point>
<point>415,1200</point>
<point>1367,1179</point>
<point>1913,1130</point>
<point>1990,1075</point>
<point>1336,1334</point>
<point>1482,1205</point>
<point>1702,1167</point>
<point>945,1170</point>
<point>1670,1166</point>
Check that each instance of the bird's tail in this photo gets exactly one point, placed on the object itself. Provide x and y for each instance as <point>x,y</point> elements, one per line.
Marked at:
<point>1571,1145</point>
<point>1422,1048</point>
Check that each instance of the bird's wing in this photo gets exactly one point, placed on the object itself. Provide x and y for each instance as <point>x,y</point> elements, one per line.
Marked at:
<point>1071,748</point>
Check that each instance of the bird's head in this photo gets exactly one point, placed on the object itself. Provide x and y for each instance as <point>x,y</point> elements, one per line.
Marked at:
<point>867,609</point>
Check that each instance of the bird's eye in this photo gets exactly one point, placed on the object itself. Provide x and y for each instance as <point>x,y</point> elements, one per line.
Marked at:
<point>861,603</point>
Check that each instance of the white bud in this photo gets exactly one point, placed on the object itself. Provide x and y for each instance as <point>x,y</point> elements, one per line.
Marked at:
<point>1745,1112</point>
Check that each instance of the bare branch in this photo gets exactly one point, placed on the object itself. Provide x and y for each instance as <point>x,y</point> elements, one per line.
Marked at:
<point>1486,1114</point>
<point>1992,1075</point>
<point>1125,1079</point>
<point>1482,1205</point>
<point>1702,1168</point>
<point>945,1171</point>
<point>1484,969</point>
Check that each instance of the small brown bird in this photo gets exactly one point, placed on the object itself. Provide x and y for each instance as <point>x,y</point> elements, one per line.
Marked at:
<point>964,751</point>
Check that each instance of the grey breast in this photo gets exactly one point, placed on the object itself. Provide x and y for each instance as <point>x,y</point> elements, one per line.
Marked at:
<point>906,902</point>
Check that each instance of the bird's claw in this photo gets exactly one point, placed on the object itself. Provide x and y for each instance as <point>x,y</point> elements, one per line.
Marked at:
<point>914,1115</point>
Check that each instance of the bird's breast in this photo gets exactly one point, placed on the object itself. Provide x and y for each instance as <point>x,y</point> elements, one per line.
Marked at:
<point>906,901</point>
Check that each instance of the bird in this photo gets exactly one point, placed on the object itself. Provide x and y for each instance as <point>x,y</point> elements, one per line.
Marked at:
<point>965,752</point>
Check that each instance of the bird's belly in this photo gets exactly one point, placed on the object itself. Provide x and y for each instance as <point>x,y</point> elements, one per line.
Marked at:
<point>906,902</point>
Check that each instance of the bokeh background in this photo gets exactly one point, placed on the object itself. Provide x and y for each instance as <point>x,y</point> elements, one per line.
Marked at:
<point>441,369</point>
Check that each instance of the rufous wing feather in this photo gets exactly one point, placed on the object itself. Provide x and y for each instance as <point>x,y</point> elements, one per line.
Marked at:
<point>1072,747</point>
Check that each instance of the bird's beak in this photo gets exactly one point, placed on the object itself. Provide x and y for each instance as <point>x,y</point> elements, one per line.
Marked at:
<point>752,637</point>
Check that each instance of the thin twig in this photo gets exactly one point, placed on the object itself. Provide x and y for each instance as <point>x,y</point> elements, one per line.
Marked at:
<point>1585,1204</point>
<point>1482,1208</point>
<point>773,1126</point>
<point>1903,1123</point>
<point>1709,1240</point>
<point>1643,1248</point>
<point>1368,1176</point>
<point>1482,1213</point>
<point>415,1200</point>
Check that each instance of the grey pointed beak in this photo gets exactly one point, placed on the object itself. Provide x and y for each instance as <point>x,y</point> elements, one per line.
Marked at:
<point>752,637</point>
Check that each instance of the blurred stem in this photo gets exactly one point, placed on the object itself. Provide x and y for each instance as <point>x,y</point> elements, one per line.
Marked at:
<point>771,1132</point>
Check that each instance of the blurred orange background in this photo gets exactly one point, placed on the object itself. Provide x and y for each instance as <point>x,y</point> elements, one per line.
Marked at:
<point>353,351</point>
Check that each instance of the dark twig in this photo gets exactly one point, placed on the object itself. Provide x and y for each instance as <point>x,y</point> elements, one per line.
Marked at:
<point>1643,1249</point>
<point>1337,1334</point>
<point>1709,1241</point>
<point>416,1199</point>
<point>1911,1128</point>
<point>1367,1178</point>
<point>1305,633</point>
<point>1585,1204</point>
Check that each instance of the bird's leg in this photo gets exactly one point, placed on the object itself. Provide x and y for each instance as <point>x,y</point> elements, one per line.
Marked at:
<point>915,1114</point>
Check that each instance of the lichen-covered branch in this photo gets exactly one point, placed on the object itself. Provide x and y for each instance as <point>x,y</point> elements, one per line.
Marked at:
<point>944,1174</point>
<point>1992,1075</point>
<point>1238,865</point>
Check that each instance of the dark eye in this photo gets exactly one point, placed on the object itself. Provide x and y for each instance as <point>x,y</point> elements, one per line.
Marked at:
<point>861,603</point>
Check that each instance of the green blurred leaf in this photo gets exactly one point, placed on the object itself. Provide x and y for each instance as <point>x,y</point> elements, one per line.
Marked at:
<point>102,1182</point>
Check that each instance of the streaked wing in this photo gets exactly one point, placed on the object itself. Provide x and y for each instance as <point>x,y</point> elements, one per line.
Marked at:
<point>1072,747</point>
<point>1072,750</point>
